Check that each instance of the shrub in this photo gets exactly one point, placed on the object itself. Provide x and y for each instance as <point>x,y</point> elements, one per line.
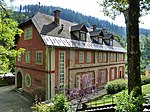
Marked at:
<point>39,93</point>
<point>59,103</point>
<point>145,80</point>
<point>116,86</point>
<point>128,102</point>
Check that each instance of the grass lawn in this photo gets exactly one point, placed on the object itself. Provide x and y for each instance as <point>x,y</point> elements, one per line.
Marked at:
<point>107,99</point>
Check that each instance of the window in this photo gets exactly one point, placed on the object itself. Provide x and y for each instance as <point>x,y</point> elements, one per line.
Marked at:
<point>78,81</point>
<point>100,57</point>
<point>19,58</point>
<point>81,56</point>
<point>104,57</point>
<point>27,56</point>
<point>111,42</point>
<point>39,57</point>
<point>85,80</point>
<point>112,56</point>
<point>102,76</point>
<point>28,80</point>
<point>61,69</point>
<point>28,33</point>
<point>89,57</point>
<point>113,73</point>
<point>100,40</point>
<point>121,57</point>
<point>82,36</point>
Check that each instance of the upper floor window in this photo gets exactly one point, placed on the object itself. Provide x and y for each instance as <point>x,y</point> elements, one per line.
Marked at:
<point>112,56</point>
<point>39,57</point>
<point>82,35</point>
<point>121,57</point>
<point>27,56</point>
<point>28,33</point>
<point>100,41</point>
<point>89,57</point>
<point>81,56</point>
<point>102,56</point>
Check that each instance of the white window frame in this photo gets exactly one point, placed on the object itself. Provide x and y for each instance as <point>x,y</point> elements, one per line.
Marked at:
<point>28,56</point>
<point>89,57</point>
<point>100,56</point>
<point>112,73</point>
<point>82,35</point>
<point>81,56</point>
<point>28,33</point>
<point>39,57</point>
<point>104,56</point>
<point>61,69</point>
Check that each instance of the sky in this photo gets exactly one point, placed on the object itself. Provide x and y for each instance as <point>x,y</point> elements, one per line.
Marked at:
<point>86,7</point>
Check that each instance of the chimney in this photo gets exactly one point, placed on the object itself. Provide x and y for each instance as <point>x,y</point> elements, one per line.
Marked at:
<point>94,27</point>
<point>57,16</point>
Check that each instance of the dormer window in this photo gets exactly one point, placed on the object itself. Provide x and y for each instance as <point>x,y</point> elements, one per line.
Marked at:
<point>96,35</point>
<point>108,39</point>
<point>82,36</point>
<point>111,42</point>
<point>78,32</point>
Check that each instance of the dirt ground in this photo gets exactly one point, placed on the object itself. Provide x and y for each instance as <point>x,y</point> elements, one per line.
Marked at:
<point>12,101</point>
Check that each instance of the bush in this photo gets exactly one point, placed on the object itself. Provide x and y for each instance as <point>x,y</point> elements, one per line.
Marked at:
<point>59,103</point>
<point>116,86</point>
<point>145,80</point>
<point>39,94</point>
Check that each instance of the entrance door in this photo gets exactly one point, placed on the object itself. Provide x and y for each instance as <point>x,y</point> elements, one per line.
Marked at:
<point>19,80</point>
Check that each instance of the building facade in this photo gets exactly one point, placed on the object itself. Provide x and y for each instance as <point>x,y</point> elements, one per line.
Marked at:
<point>61,54</point>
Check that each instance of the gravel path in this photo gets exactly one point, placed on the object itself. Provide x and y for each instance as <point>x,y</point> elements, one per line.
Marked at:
<point>12,101</point>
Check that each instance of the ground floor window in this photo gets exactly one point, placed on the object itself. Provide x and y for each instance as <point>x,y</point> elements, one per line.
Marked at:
<point>113,72</point>
<point>102,76</point>
<point>121,72</point>
<point>85,80</point>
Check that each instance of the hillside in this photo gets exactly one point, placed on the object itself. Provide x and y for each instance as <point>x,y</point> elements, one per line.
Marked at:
<point>70,15</point>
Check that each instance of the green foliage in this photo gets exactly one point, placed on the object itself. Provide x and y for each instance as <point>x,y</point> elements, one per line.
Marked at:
<point>40,107</point>
<point>145,52</point>
<point>145,80</point>
<point>8,30</point>
<point>128,103</point>
<point>59,103</point>
<point>116,86</point>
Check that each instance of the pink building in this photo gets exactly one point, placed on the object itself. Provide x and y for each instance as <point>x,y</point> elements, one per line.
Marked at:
<point>59,53</point>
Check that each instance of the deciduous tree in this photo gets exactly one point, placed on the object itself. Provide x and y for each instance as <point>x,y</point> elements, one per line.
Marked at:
<point>8,30</point>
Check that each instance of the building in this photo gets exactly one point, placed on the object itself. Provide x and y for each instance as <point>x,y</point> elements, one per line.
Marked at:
<point>147,70</point>
<point>60,53</point>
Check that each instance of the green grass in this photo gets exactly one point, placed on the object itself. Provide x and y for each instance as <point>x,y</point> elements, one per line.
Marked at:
<point>107,99</point>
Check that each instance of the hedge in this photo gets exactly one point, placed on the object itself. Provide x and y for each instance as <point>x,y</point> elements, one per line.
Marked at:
<point>145,79</point>
<point>116,86</point>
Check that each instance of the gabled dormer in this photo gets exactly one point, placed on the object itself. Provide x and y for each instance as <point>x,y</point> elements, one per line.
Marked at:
<point>79,32</point>
<point>108,38</point>
<point>96,35</point>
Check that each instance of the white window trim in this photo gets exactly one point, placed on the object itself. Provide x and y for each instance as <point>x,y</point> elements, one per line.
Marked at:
<point>28,56</point>
<point>37,57</point>
<point>27,31</point>
<point>81,61</point>
<point>62,84</point>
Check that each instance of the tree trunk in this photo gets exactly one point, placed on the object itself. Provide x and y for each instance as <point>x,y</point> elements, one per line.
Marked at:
<point>133,48</point>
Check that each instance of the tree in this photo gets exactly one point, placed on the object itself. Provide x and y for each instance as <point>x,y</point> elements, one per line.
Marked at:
<point>8,30</point>
<point>145,52</point>
<point>131,10</point>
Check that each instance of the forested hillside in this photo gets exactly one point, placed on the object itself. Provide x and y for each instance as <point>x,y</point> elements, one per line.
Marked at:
<point>27,11</point>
